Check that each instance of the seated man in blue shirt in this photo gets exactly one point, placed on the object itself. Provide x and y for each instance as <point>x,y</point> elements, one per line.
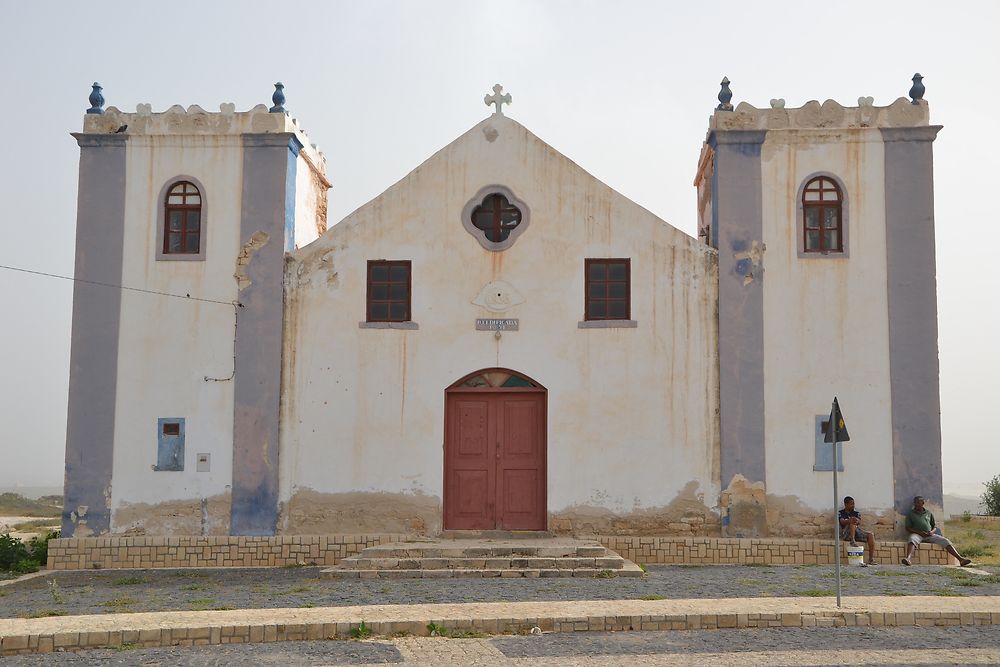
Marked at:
<point>850,529</point>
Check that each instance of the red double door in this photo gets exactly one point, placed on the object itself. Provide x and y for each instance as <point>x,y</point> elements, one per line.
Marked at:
<point>494,460</point>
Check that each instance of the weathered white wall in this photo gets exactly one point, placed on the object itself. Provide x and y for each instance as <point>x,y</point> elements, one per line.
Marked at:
<point>168,345</point>
<point>310,203</point>
<point>632,413</point>
<point>825,323</point>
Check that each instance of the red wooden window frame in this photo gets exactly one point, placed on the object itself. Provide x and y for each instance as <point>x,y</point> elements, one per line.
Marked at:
<point>496,217</point>
<point>183,206</point>
<point>602,291</point>
<point>389,290</point>
<point>822,216</point>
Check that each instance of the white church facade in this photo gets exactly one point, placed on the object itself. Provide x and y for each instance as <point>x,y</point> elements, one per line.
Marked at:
<point>499,340</point>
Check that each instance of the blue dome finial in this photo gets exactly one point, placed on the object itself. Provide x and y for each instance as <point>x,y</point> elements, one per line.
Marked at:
<point>96,99</point>
<point>278,98</point>
<point>725,95</point>
<point>917,90</point>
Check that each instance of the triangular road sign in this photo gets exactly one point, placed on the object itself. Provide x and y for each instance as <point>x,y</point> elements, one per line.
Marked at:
<point>836,422</point>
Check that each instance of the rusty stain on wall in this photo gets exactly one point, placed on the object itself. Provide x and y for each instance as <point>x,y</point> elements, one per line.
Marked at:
<point>195,516</point>
<point>310,512</point>
<point>257,241</point>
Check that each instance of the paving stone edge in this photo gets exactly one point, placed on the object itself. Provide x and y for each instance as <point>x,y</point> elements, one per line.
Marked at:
<point>200,630</point>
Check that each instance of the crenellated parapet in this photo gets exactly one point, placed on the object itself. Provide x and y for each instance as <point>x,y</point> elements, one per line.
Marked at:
<point>194,120</point>
<point>828,115</point>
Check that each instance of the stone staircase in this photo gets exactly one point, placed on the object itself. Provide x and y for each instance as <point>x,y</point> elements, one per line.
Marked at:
<point>485,558</point>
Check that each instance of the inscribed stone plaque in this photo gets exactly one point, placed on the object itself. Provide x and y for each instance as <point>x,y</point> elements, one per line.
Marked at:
<point>491,324</point>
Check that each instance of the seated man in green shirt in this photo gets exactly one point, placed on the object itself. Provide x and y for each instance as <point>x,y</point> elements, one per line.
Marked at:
<point>920,525</point>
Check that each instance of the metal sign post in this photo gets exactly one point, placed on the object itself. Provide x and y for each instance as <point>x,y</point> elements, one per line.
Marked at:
<point>836,515</point>
<point>836,431</point>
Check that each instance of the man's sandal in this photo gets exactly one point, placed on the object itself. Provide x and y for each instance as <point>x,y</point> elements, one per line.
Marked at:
<point>906,561</point>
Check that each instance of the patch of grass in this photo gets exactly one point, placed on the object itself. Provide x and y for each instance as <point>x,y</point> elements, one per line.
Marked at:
<point>307,605</point>
<point>756,565</point>
<point>990,579</point>
<point>190,574</point>
<point>953,573</point>
<point>435,630</point>
<point>262,589</point>
<point>14,504</point>
<point>843,575</point>
<point>300,589</point>
<point>127,646</point>
<point>642,566</point>
<point>652,597</point>
<point>292,566</point>
<point>815,593</point>
<point>42,613</point>
<point>606,574</point>
<point>117,602</point>
<point>894,573</point>
<point>223,607</point>
<point>362,631</point>
<point>975,550</point>
<point>202,601</point>
<point>897,593</point>
<point>968,582</point>
<point>129,581</point>
<point>36,526</point>
<point>194,587</point>
<point>947,593</point>
<point>385,589</point>
<point>466,634</point>
<point>748,582</point>
<point>799,577</point>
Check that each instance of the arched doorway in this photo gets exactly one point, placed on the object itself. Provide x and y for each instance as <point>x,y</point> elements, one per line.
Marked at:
<point>495,452</point>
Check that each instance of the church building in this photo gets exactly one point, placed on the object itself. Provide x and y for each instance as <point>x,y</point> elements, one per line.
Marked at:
<point>500,341</point>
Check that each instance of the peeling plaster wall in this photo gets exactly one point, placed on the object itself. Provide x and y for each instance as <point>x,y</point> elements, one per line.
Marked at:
<point>205,516</point>
<point>168,345</point>
<point>310,202</point>
<point>825,328</point>
<point>632,412</point>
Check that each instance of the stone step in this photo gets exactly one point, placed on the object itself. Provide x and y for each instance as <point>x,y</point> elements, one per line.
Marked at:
<point>363,562</point>
<point>629,570</point>
<point>433,550</point>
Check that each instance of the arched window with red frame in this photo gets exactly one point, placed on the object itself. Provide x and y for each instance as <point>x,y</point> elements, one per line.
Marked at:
<point>182,220</point>
<point>822,216</point>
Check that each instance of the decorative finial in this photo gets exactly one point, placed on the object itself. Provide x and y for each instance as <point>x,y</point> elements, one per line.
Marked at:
<point>278,98</point>
<point>725,95</point>
<point>96,99</point>
<point>917,90</point>
<point>498,98</point>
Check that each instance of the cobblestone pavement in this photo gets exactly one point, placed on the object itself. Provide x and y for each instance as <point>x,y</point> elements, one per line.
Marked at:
<point>71,593</point>
<point>730,648</point>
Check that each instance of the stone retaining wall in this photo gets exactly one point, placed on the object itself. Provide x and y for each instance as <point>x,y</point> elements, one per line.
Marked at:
<point>223,551</point>
<point>756,551</point>
<point>231,551</point>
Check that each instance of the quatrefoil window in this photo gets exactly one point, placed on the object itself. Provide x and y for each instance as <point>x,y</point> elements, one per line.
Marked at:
<point>496,217</point>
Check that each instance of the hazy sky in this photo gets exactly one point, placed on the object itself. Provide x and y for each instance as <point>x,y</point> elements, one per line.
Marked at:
<point>622,88</point>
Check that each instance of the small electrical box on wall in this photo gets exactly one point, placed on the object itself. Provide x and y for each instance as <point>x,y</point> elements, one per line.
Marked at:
<point>204,462</point>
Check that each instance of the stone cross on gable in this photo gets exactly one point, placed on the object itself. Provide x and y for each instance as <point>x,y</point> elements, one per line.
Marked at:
<point>498,98</point>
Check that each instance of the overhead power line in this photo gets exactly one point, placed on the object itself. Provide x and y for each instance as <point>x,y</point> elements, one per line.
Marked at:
<point>121,287</point>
